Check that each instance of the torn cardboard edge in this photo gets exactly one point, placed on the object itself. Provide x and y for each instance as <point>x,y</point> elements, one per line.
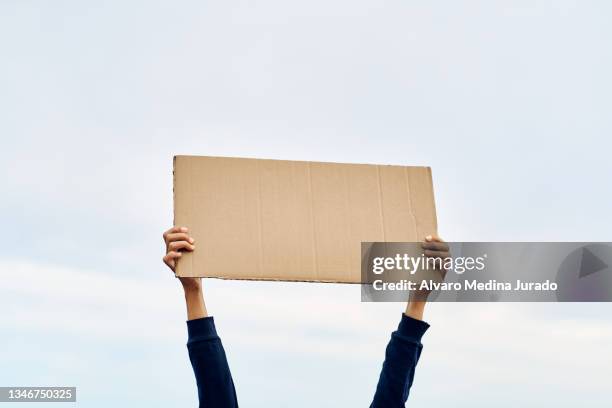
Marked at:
<point>299,221</point>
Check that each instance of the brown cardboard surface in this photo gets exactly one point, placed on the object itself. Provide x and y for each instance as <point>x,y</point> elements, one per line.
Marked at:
<point>295,220</point>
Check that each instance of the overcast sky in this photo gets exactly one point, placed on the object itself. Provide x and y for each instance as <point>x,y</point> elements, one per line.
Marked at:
<point>509,102</point>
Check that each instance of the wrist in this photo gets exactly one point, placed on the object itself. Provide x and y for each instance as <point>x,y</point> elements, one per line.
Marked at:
<point>193,293</point>
<point>194,300</point>
<point>415,310</point>
<point>191,286</point>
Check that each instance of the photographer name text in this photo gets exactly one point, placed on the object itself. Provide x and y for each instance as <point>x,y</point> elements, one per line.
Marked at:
<point>474,285</point>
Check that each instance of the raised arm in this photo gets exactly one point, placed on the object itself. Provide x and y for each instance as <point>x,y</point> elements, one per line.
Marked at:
<point>404,348</point>
<point>177,241</point>
<point>206,353</point>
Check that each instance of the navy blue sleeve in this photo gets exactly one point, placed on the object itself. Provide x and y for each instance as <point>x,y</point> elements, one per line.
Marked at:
<point>401,357</point>
<point>212,373</point>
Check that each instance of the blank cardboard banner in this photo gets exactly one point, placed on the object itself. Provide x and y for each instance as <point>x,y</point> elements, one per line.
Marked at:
<point>295,220</point>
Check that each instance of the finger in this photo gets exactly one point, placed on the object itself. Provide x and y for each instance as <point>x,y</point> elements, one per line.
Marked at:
<point>436,246</point>
<point>175,230</point>
<point>179,236</point>
<point>172,255</point>
<point>436,254</point>
<point>170,258</point>
<point>178,245</point>
<point>433,238</point>
<point>170,263</point>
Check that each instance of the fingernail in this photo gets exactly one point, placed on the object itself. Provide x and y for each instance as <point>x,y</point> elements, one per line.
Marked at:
<point>428,238</point>
<point>191,240</point>
<point>183,229</point>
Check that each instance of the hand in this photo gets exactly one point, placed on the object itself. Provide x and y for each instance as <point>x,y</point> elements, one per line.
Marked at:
<point>433,247</point>
<point>177,241</point>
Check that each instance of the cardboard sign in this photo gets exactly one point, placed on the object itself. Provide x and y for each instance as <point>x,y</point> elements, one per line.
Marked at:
<point>295,220</point>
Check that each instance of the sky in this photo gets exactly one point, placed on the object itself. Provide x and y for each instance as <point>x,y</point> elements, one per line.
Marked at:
<point>509,102</point>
